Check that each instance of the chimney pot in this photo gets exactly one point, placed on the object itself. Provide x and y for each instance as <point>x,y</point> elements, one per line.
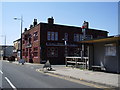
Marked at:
<point>51,20</point>
<point>31,26</point>
<point>35,22</point>
<point>25,29</point>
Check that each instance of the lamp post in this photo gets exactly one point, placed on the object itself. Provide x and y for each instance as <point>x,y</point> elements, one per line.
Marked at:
<point>21,20</point>
<point>4,51</point>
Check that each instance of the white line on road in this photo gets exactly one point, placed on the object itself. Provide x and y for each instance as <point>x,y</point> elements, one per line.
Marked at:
<point>1,72</point>
<point>10,83</point>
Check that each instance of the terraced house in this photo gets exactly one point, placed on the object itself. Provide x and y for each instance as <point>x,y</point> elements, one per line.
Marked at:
<point>50,41</point>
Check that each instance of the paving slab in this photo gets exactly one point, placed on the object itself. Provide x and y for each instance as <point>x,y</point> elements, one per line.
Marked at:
<point>104,78</point>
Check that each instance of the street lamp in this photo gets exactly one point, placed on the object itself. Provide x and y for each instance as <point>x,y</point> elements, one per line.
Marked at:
<point>21,19</point>
<point>4,51</point>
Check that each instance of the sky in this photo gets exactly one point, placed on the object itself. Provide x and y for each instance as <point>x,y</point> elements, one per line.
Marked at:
<point>100,15</point>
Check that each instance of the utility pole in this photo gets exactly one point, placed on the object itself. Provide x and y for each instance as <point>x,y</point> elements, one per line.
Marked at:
<point>4,47</point>
<point>21,19</point>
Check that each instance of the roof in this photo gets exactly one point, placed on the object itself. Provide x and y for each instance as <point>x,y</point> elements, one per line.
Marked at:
<point>16,40</point>
<point>61,25</point>
<point>108,39</point>
<point>66,26</point>
<point>6,45</point>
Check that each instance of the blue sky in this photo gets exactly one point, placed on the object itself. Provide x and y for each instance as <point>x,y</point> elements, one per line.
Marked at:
<point>100,15</point>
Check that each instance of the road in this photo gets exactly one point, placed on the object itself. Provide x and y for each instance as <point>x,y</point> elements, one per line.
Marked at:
<point>16,76</point>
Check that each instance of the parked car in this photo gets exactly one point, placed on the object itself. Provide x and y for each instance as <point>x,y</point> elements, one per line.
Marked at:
<point>11,58</point>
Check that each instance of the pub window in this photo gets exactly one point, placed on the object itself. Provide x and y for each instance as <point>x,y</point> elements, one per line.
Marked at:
<point>77,37</point>
<point>52,36</point>
<point>30,38</point>
<point>48,35</point>
<point>80,37</point>
<point>110,50</point>
<point>89,37</point>
<point>66,36</point>
<point>56,36</point>
<point>35,48</point>
<point>35,54</point>
<point>35,36</point>
<point>52,52</point>
<point>35,51</point>
<point>26,51</point>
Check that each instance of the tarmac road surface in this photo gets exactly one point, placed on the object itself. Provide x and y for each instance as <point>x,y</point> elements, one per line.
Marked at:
<point>17,76</point>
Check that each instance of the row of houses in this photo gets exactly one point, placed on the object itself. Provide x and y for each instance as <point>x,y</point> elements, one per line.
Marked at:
<point>53,42</point>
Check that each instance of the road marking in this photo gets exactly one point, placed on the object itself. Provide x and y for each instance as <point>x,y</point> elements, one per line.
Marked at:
<point>10,83</point>
<point>1,72</point>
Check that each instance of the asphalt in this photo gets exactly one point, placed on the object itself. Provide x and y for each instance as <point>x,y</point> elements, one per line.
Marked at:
<point>95,77</point>
<point>23,76</point>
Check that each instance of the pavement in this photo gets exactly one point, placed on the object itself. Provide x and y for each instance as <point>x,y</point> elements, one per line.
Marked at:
<point>102,78</point>
<point>95,77</point>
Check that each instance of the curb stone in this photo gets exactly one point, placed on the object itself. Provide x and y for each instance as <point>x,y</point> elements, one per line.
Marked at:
<point>81,79</point>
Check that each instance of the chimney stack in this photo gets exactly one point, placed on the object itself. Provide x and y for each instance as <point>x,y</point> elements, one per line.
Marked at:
<point>50,20</point>
<point>31,26</point>
<point>35,22</point>
<point>25,30</point>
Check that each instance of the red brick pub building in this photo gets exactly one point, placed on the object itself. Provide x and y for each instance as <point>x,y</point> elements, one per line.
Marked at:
<point>49,41</point>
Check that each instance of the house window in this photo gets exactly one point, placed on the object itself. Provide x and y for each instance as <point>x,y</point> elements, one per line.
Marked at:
<point>110,50</point>
<point>35,36</point>
<point>52,52</point>
<point>66,36</point>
